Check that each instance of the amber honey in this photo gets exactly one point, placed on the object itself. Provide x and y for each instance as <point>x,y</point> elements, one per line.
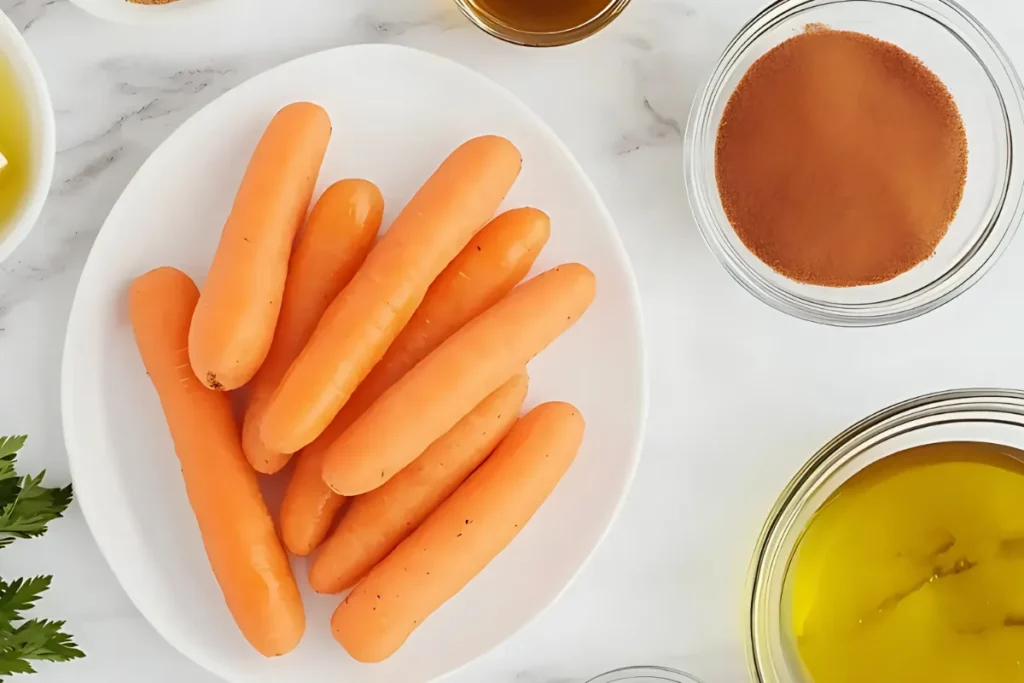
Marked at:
<point>542,22</point>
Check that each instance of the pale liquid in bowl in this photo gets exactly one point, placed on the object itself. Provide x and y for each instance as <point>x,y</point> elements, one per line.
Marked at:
<point>15,145</point>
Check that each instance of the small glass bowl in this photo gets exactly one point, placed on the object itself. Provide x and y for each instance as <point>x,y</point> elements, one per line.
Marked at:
<point>988,92</point>
<point>511,34</point>
<point>645,674</point>
<point>993,416</point>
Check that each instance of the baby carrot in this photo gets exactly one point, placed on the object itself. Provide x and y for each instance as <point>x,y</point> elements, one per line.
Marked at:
<point>461,537</point>
<point>377,521</point>
<point>234,323</point>
<point>246,556</point>
<point>368,314</point>
<point>460,373</point>
<point>487,269</point>
<point>338,235</point>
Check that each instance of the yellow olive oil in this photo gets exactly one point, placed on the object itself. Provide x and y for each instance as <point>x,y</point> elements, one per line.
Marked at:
<point>15,145</point>
<point>913,571</point>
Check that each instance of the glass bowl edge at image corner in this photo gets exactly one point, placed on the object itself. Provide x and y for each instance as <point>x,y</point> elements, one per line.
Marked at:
<point>524,38</point>
<point>705,204</point>
<point>914,422</point>
<point>645,674</point>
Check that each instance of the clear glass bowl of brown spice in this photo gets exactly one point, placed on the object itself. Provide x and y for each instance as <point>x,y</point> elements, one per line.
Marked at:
<point>851,162</point>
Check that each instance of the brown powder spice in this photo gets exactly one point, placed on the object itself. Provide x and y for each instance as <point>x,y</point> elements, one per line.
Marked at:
<point>841,159</point>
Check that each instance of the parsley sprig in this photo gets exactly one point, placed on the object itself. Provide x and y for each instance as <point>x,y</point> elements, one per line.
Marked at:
<point>26,507</point>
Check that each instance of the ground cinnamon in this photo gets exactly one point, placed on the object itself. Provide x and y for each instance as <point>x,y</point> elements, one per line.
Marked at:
<point>841,159</point>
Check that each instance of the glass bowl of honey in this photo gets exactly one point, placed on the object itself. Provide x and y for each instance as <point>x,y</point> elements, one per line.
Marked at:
<point>895,554</point>
<point>855,162</point>
<point>541,23</point>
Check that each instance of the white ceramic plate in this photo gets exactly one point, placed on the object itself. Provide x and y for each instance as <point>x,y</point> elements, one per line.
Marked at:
<point>396,114</point>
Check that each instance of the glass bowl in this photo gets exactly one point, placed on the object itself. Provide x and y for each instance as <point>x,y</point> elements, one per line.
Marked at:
<point>645,674</point>
<point>994,416</point>
<point>511,34</point>
<point>961,52</point>
<point>16,58</point>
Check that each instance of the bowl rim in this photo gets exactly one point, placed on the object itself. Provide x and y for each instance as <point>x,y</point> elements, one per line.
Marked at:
<point>37,93</point>
<point>985,405</point>
<point>987,246</point>
<point>515,36</point>
<point>127,12</point>
<point>649,673</point>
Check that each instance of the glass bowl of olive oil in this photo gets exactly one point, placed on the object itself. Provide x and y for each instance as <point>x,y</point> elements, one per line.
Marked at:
<point>896,554</point>
<point>27,139</point>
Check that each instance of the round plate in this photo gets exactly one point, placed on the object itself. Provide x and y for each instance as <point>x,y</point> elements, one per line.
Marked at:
<point>396,113</point>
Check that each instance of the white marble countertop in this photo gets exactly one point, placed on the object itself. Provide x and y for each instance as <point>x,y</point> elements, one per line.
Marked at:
<point>667,587</point>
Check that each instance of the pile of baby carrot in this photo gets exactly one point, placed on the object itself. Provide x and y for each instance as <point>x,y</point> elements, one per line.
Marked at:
<point>393,369</point>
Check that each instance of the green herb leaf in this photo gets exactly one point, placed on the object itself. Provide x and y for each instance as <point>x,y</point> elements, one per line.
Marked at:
<point>14,665</point>
<point>35,640</point>
<point>26,506</point>
<point>9,445</point>
<point>20,595</point>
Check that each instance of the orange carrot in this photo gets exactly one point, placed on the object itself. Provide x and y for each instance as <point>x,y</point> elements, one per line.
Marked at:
<point>378,521</point>
<point>339,234</point>
<point>460,373</point>
<point>246,556</point>
<point>493,262</point>
<point>461,537</point>
<point>365,318</point>
<point>234,323</point>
